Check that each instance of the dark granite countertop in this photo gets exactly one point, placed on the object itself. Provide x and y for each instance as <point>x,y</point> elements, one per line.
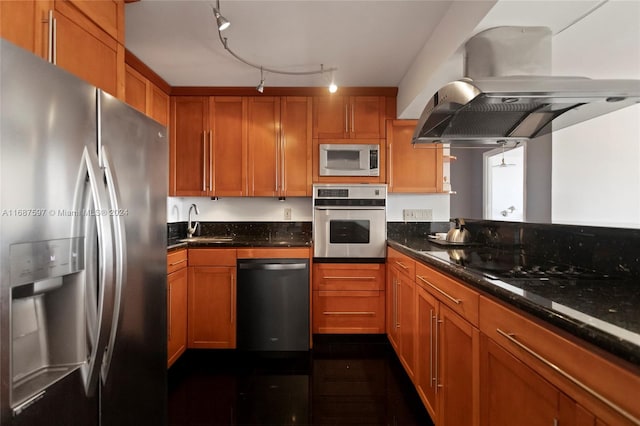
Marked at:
<point>236,242</point>
<point>602,311</point>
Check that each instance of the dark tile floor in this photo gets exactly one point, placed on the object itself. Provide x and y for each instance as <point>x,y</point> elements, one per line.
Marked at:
<point>344,380</point>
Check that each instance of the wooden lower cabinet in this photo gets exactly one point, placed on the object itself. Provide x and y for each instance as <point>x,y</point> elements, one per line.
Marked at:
<point>512,393</point>
<point>212,298</point>
<point>176,305</point>
<point>348,298</point>
<point>425,377</point>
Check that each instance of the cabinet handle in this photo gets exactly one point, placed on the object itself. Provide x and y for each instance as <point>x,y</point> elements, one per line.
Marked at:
<point>277,167</point>
<point>402,265</point>
<point>353,126</point>
<point>396,302</point>
<point>453,299</point>
<point>390,163</point>
<point>211,160</point>
<point>512,338</point>
<point>437,354</point>
<point>347,313</point>
<point>204,161</point>
<point>431,378</point>
<point>178,262</point>
<point>350,278</point>
<point>50,37</point>
<point>346,118</point>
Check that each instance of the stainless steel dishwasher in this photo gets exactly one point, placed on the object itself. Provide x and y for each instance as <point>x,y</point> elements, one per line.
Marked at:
<point>273,305</point>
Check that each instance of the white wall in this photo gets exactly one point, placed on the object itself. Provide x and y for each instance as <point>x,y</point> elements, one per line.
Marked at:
<point>271,210</point>
<point>596,164</point>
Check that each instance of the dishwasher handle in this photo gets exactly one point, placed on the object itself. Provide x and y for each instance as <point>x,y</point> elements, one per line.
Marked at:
<point>272,266</point>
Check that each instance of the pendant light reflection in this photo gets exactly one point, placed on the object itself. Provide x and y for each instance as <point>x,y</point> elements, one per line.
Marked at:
<point>260,87</point>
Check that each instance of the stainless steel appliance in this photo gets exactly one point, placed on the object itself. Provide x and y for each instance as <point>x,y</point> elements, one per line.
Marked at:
<point>273,304</point>
<point>83,185</point>
<point>509,94</point>
<point>349,221</point>
<point>349,159</point>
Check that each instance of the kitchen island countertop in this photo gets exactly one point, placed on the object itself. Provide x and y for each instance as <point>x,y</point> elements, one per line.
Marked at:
<point>603,312</point>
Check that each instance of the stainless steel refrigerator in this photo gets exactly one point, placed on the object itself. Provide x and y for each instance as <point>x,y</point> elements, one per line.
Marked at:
<point>83,186</point>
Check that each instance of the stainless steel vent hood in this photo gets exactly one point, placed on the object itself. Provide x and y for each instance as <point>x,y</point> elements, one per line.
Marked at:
<point>508,94</point>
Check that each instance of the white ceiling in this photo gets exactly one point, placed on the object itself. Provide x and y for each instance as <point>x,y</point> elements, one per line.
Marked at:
<point>398,43</point>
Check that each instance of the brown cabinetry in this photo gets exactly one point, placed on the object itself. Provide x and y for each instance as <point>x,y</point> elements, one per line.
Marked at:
<point>239,146</point>
<point>411,169</point>
<point>25,23</point>
<point>212,298</point>
<point>401,308</point>
<point>447,348</point>
<point>348,298</point>
<point>176,305</point>
<point>598,389</point>
<point>145,96</point>
<point>349,117</point>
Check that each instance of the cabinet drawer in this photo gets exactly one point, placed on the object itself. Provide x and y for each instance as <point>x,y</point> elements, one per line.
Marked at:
<point>176,260</point>
<point>348,312</point>
<point>568,363</point>
<point>212,257</point>
<point>402,262</point>
<point>348,276</point>
<point>460,298</point>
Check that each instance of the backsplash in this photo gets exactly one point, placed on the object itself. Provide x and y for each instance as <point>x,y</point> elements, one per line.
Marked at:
<point>258,231</point>
<point>613,251</point>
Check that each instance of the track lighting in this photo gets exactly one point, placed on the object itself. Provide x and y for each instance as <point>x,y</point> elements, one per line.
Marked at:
<point>223,24</point>
<point>260,87</point>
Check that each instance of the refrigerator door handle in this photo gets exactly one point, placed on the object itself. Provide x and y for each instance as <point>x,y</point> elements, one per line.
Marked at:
<point>120,256</point>
<point>99,324</point>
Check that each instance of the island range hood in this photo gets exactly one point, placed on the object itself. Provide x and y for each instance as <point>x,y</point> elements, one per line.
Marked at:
<point>509,96</point>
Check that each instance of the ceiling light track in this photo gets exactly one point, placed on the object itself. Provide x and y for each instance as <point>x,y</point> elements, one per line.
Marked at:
<point>223,23</point>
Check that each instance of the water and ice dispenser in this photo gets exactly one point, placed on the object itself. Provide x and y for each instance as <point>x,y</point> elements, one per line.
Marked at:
<point>48,315</point>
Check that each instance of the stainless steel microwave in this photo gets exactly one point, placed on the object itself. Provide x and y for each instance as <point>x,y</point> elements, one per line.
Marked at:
<point>349,160</point>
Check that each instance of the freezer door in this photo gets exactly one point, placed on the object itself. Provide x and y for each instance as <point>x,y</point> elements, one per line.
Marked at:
<point>53,279</point>
<point>134,154</point>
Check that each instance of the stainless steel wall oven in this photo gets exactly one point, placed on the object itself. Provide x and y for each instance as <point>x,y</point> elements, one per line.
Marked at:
<point>349,221</point>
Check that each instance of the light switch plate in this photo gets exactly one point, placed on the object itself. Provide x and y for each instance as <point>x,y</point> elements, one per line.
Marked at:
<point>287,213</point>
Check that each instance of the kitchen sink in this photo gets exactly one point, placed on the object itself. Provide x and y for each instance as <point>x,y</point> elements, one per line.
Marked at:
<point>207,240</point>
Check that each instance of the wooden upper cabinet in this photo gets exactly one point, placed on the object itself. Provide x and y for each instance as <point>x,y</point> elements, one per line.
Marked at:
<point>228,139</point>
<point>107,14</point>
<point>349,117</point>
<point>135,89</point>
<point>145,96</point>
<point>263,127</point>
<point>189,145</point>
<point>295,145</point>
<point>25,23</point>
<point>86,50</point>
<point>411,169</point>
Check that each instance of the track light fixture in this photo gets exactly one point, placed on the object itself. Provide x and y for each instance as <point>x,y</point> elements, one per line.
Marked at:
<point>223,24</point>
<point>260,87</point>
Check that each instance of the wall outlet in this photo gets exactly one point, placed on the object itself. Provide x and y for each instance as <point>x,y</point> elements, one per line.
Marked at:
<point>287,213</point>
<point>417,214</point>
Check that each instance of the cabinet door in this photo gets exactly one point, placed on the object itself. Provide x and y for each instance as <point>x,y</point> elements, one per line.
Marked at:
<point>85,50</point>
<point>512,393</point>
<point>425,378</point>
<point>457,378</point>
<point>407,322</point>
<point>25,23</point>
<point>330,117</point>
<point>295,162</point>
<point>410,169</point>
<point>366,117</point>
<point>229,140</point>
<point>176,315</point>
<point>188,155</point>
<point>135,89</point>
<point>157,104</point>
<point>211,307</point>
<point>263,121</point>
<point>392,307</point>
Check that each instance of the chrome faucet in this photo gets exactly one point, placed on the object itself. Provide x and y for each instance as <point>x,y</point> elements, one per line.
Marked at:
<point>192,229</point>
